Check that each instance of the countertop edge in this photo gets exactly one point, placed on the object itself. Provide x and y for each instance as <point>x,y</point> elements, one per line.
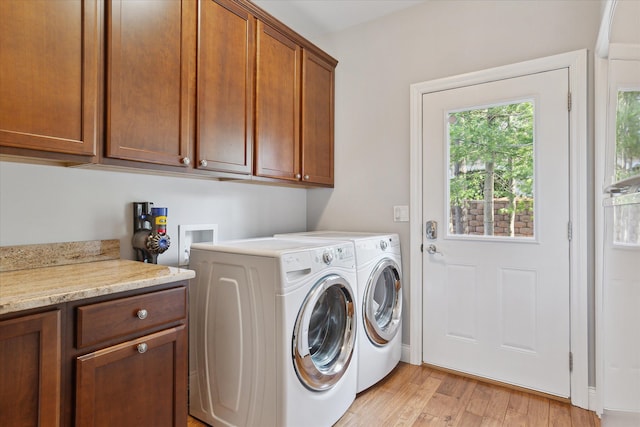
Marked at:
<point>55,285</point>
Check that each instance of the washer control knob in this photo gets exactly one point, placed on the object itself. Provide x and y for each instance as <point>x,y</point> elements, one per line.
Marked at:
<point>327,257</point>
<point>383,245</point>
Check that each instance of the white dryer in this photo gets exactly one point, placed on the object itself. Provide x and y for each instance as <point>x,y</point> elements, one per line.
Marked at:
<point>272,332</point>
<point>379,272</point>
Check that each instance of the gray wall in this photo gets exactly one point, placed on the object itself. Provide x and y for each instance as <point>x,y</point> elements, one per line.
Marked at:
<point>44,204</point>
<point>381,59</point>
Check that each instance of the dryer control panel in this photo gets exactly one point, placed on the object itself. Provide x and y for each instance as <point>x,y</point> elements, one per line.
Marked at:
<point>342,255</point>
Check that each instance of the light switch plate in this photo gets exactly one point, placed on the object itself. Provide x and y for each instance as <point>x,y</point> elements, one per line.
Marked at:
<point>401,213</point>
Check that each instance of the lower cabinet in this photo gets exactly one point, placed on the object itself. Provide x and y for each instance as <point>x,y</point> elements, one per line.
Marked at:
<point>130,357</point>
<point>116,360</point>
<point>139,382</point>
<point>30,367</point>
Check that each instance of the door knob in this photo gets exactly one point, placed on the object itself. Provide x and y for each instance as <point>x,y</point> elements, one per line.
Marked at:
<point>432,250</point>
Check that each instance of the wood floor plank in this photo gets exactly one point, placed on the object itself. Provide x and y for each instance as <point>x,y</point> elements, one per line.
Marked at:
<point>419,376</point>
<point>363,401</point>
<point>409,411</point>
<point>404,408</point>
<point>469,419</point>
<point>497,406</point>
<point>559,414</point>
<point>490,422</point>
<point>538,414</point>
<point>453,386</point>
<point>419,396</point>
<point>464,398</point>
<point>518,402</point>
<point>397,378</point>
<point>439,405</point>
<point>428,420</point>
<point>514,418</point>
<point>581,417</point>
<point>479,400</point>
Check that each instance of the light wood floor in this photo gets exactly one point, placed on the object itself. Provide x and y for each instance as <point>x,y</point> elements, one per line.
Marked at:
<point>420,396</point>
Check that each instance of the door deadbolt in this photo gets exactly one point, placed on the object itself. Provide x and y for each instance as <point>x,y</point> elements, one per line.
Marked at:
<point>432,230</point>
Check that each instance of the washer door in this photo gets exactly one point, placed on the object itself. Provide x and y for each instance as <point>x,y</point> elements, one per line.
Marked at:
<point>382,303</point>
<point>324,334</point>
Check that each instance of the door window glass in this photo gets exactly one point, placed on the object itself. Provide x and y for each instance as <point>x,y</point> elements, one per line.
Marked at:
<point>627,162</point>
<point>491,171</point>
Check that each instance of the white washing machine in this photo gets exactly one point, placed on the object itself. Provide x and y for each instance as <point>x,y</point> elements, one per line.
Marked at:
<point>379,273</point>
<point>272,332</point>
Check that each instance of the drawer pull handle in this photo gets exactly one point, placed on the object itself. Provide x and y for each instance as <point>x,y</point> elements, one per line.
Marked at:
<point>142,348</point>
<point>142,314</point>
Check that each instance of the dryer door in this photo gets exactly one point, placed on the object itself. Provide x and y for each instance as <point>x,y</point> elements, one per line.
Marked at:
<point>324,334</point>
<point>382,303</point>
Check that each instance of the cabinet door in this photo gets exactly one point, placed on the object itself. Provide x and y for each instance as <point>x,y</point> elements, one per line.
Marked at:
<point>150,80</point>
<point>226,58</point>
<point>277,105</point>
<point>30,370</point>
<point>49,66</point>
<point>317,119</point>
<point>140,382</point>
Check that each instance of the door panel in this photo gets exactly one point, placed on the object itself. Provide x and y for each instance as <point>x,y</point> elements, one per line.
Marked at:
<point>496,304</point>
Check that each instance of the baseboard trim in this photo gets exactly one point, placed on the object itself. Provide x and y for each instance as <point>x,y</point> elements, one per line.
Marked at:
<point>594,404</point>
<point>405,355</point>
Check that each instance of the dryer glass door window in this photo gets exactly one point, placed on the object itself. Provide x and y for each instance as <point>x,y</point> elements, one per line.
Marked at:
<point>324,334</point>
<point>383,303</point>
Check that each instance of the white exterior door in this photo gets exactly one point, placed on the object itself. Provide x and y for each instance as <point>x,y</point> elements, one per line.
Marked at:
<point>496,279</point>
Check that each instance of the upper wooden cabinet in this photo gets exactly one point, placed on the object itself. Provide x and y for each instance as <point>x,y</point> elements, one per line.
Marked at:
<point>277,105</point>
<point>317,119</point>
<point>150,85</point>
<point>209,87</point>
<point>226,63</point>
<point>49,75</point>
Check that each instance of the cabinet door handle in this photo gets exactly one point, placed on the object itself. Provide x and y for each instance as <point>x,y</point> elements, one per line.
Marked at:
<point>142,347</point>
<point>203,163</point>
<point>298,176</point>
<point>142,314</point>
<point>306,177</point>
<point>185,161</point>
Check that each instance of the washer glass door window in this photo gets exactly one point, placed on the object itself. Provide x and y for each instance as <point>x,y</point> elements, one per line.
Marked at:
<point>383,303</point>
<point>324,334</point>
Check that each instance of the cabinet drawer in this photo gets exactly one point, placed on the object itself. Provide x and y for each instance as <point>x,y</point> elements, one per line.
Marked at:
<point>125,316</point>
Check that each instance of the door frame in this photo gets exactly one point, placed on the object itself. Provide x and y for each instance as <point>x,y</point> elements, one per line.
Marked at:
<point>576,63</point>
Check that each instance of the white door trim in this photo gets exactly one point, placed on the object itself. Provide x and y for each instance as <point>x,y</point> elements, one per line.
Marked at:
<point>576,62</point>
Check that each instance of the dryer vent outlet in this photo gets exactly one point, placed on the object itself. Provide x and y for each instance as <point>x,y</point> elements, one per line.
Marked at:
<point>189,234</point>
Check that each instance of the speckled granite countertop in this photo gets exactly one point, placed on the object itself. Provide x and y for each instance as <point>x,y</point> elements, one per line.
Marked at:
<point>45,285</point>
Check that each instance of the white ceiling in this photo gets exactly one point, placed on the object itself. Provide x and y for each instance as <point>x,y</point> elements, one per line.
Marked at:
<point>314,18</point>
